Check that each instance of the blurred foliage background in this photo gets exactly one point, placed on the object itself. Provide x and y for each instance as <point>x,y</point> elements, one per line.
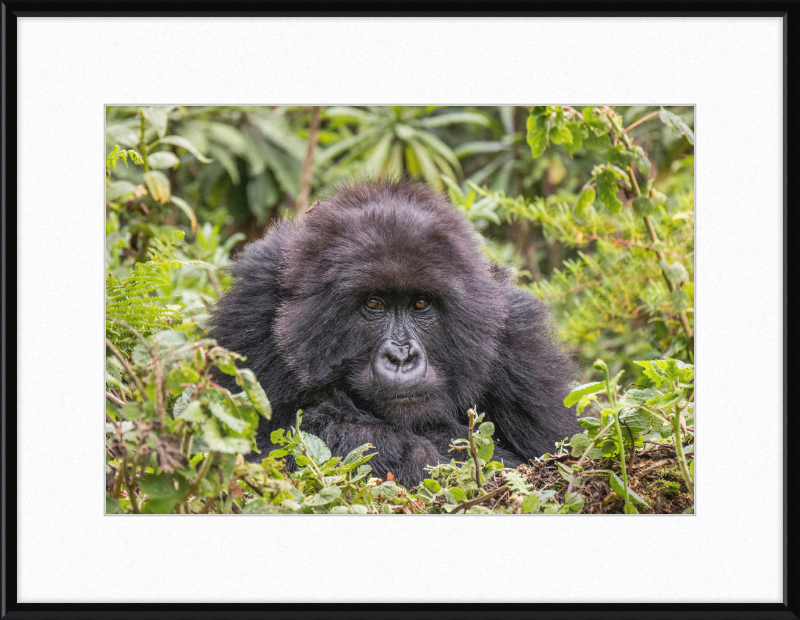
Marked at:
<point>594,206</point>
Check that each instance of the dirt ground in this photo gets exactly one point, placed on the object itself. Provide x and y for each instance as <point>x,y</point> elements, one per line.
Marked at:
<point>655,476</point>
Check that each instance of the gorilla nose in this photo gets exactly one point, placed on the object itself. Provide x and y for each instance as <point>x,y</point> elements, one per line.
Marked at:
<point>400,364</point>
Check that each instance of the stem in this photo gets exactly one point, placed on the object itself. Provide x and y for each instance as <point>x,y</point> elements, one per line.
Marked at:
<point>186,443</point>
<point>622,459</point>
<point>612,400</point>
<point>308,164</point>
<point>676,433</point>
<point>118,483</point>
<point>203,471</point>
<point>142,142</point>
<point>473,451</point>
<point>161,406</point>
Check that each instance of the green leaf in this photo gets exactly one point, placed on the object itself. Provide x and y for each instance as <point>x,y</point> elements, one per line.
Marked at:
<point>443,120</point>
<point>531,504</point>
<point>163,491</point>
<point>118,190</point>
<point>676,272</point>
<point>486,450</point>
<point>593,142</point>
<point>517,483</point>
<point>387,490</point>
<point>607,191</point>
<point>643,164</point>
<point>237,425</point>
<point>193,413</point>
<point>637,420</point>
<point>157,117</point>
<point>619,155</point>
<point>458,494</point>
<point>277,436</point>
<point>679,300</point>
<point>158,185</point>
<point>357,455</point>
<point>486,429</point>
<point>122,135</point>
<point>666,400</point>
<point>325,496</point>
<point>585,200</point>
<point>579,443</point>
<point>590,424</point>
<point>163,159</point>
<point>247,379</point>
<point>573,502</point>
<point>583,390</point>
<point>619,488</point>
<point>432,485</point>
<point>317,449</point>
<point>560,135</point>
<point>131,411</point>
<point>186,144</point>
<point>641,396</point>
<point>675,122</point>
<point>184,206</point>
<point>537,140</point>
<point>217,442</point>
<point>577,138</point>
<point>643,206</point>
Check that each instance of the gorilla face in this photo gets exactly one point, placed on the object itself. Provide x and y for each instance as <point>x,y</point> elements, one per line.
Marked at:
<point>396,379</point>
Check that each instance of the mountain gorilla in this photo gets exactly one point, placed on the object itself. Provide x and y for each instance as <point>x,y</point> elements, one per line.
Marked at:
<point>378,315</point>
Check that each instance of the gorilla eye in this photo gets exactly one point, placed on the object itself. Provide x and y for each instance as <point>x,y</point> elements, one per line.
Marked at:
<point>375,304</point>
<point>421,303</point>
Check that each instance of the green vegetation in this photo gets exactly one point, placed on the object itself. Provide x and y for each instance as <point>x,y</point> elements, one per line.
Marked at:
<point>594,207</point>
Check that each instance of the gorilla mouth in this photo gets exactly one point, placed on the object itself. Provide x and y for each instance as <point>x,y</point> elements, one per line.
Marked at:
<point>406,399</point>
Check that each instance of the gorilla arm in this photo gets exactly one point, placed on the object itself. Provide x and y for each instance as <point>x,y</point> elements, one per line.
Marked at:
<point>529,383</point>
<point>344,427</point>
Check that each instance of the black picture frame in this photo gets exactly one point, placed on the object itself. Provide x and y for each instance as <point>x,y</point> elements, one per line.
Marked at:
<point>789,10</point>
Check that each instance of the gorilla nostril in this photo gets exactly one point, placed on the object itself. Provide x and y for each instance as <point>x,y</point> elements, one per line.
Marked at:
<point>400,363</point>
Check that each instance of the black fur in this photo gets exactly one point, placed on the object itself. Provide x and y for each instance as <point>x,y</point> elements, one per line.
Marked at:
<point>297,311</point>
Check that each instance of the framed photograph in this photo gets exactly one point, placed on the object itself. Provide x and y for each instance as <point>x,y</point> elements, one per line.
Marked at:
<point>172,85</point>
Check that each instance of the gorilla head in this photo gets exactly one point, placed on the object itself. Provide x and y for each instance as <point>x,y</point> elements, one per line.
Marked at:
<point>377,313</point>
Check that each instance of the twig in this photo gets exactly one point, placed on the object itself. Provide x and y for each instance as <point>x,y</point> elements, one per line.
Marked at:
<point>469,504</point>
<point>641,120</point>
<point>252,485</point>
<point>574,111</point>
<point>129,486</point>
<point>308,165</point>
<point>114,399</point>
